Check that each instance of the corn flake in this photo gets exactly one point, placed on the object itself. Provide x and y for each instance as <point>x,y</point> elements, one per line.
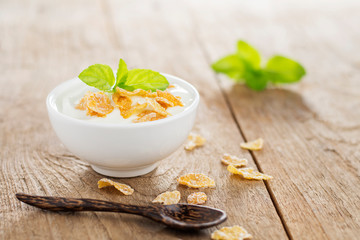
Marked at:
<point>175,100</point>
<point>143,93</point>
<point>125,189</point>
<point>99,102</point>
<point>196,180</point>
<point>147,116</point>
<point>140,92</point>
<point>228,159</point>
<point>194,141</point>
<point>197,198</point>
<point>248,173</point>
<point>137,92</point>
<point>122,102</point>
<point>156,107</point>
<point>123,92</point>
<point>253,145</point>
<point>133,110</point>
<point>96,104</point>
<point>168,198</point>
<point>164,102</point>
<point>233,233</point>
<point>82,104</point>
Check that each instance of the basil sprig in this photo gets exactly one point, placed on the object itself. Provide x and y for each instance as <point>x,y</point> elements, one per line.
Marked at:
<point>245,66</point>
<point>102,77</point>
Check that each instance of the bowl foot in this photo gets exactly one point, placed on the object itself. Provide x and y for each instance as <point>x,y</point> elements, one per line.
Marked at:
<point>125,173</point>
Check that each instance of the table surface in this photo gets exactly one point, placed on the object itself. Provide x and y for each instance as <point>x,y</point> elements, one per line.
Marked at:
<point>311,129</point>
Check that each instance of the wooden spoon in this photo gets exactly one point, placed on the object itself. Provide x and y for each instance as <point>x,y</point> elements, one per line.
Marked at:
<point>180,216</point>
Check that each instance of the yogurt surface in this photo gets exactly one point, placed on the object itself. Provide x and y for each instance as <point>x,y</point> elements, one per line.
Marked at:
<point>67,101</point>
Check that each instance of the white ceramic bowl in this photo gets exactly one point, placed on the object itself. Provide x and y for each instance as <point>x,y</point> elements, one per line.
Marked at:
<point>122,150</point>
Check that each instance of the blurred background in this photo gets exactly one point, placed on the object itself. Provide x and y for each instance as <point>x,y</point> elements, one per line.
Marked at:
<point>57,39</point>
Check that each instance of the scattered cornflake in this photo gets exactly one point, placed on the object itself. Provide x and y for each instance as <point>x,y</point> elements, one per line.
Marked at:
<point>196,180</point>
<point>228,159</point>
<point>194,141</point>
<point>96,104</point>
<point>170,86</point>
<point>156,107</point>
<point>125,189</point>
<point>248,173</point>
<point>197,198</point>
<point>231,233</point>
<point>253,145</point>
<point>168,198</point>
<point>175,100</point>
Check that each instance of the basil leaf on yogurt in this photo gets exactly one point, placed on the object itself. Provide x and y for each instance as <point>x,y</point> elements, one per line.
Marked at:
<point>102,77</point>
<point>99,76</point>
<point>122,73</point>
<point>145,79</point>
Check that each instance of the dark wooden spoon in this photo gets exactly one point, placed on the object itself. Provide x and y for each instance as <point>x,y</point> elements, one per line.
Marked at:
<point>180,216</point>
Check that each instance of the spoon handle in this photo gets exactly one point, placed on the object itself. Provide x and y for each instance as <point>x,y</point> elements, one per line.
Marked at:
<point>80,204</point>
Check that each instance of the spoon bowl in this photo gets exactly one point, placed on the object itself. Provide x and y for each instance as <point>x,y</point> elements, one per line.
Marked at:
<point>188,216</point>
<point>179,216</point>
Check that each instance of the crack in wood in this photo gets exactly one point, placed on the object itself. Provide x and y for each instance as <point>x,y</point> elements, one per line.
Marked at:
<point>237,122</point>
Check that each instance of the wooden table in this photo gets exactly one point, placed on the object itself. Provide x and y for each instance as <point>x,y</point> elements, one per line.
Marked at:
<point>311,129</point>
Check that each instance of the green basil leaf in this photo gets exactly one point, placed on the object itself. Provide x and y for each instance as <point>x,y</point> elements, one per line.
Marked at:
<point>248,53</point>
<point>230,65</point>
<point>99,76</point>
<point>284,70</point>
<point>256,80</point>
<point>122,73</point>
<point>144,79</point>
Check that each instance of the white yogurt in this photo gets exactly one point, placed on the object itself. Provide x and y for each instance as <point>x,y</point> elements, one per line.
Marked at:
<point>68,100</point>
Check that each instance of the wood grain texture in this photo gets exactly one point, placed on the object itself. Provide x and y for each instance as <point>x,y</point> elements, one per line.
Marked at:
<point>45,43</point>
<point>312,129</point>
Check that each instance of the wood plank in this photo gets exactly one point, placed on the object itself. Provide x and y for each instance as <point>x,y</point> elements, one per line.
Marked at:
<point>311,129</point>
<point>42,44</point>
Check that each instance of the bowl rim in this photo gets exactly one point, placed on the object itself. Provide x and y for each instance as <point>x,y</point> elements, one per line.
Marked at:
<point>50,102</point>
